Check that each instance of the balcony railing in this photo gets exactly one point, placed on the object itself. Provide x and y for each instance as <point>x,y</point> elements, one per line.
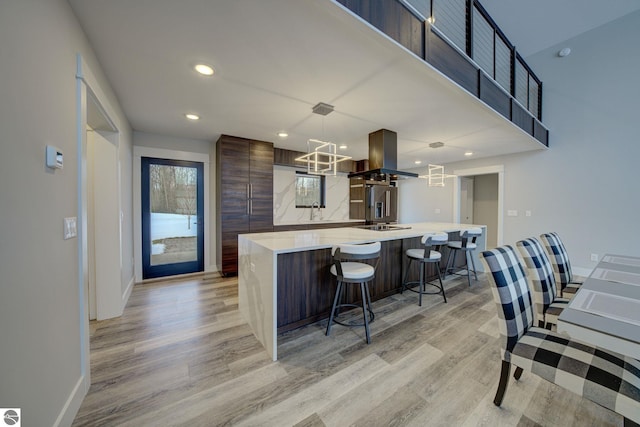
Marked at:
<point>460,39</point>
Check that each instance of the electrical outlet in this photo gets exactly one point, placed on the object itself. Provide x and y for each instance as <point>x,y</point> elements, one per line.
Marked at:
<point>436,210</point>
<point>253,267</point>
<point>527,213</point>
<point>594,257</point>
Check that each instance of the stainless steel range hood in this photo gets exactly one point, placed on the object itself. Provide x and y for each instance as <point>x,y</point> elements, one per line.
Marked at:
<point>383,158</point>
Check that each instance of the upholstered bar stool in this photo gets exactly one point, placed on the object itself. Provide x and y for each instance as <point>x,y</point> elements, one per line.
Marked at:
<point>466,244</point>
<point>350,269</point>
<point>428,255</point>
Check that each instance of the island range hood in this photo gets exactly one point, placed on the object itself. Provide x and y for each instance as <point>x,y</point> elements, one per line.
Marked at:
<point>383,158</point>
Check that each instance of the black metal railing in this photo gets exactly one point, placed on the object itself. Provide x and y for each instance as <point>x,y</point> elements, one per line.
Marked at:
<point>461,40</point>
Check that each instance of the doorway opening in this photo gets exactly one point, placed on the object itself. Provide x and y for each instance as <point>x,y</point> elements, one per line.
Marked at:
<point>478,199</point>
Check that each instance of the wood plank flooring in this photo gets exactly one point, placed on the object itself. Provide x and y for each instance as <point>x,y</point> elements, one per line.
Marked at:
<point>181,354</point>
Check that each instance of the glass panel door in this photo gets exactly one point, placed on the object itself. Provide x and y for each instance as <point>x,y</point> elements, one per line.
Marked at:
<point>172,217</point>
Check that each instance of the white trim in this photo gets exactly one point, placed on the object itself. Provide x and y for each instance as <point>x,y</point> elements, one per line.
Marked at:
<point>73,403</point>
<point>162,153</point>
<point>499,169</point>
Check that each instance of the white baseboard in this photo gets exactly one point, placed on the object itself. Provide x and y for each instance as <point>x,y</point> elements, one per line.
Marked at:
<point>72,405</point>
<point>127,292</point>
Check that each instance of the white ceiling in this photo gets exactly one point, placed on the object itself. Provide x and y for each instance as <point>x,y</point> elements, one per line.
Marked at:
<point>274,61</point>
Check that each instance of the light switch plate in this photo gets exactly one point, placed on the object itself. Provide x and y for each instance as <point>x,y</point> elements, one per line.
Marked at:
<point>511,212</point>
<point>70,228</point>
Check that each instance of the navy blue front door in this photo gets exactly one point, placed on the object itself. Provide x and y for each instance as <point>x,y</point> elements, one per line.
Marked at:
<point>172,217</point>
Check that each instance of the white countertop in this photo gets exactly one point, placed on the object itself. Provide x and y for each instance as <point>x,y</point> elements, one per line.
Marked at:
<point>303,240</point>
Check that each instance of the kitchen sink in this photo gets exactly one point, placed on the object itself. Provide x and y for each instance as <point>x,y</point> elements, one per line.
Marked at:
<point>382,227</point>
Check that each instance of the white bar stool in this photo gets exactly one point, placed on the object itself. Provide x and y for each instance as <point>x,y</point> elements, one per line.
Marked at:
<point>466,244</point>
<point>428,255</point>
<point>353,271</point>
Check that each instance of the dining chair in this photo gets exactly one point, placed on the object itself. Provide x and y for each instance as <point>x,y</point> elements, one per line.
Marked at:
<point>546,302</point>
<point>606,378</point>
<point>349,268</point>
<point>428,254</point>
<point>567,285</point>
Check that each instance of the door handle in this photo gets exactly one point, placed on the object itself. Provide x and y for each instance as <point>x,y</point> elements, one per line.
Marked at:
<point>388,203</point>
<point>250,207</point>
<point>248,194</point>
<point>251,191</point>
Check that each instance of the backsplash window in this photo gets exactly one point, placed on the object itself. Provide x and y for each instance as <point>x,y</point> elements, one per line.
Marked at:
<point>336,203</point>
<point>310,190</point>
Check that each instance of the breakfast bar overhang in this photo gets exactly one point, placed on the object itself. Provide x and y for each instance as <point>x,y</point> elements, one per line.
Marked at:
<point>284,280</point>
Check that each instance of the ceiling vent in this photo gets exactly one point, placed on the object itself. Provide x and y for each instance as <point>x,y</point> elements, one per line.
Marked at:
<point>322,108</point>
<point>436,144</point>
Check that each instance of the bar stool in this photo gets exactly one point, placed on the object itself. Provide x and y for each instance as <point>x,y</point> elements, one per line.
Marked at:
<point>428,255</point>
<point>353,271</point>
<point>467,244</point>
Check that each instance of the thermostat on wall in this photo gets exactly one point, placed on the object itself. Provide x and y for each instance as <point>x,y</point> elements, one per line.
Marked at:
<point>54,157</point>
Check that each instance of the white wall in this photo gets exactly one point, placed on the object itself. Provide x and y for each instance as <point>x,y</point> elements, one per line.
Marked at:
<point>585,186</point>
<point>40,312</point>
<point>417,202</point>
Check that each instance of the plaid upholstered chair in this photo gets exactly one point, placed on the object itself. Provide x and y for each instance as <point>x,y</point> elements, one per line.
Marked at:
<point>608,379</point>
<point>567,285</point>
<point>543,284</point>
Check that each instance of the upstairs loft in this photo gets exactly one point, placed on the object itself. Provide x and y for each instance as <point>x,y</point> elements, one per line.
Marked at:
<point>461,40</point>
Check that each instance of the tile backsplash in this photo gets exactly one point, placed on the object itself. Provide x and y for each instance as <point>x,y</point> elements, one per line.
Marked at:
<point>284,198</point>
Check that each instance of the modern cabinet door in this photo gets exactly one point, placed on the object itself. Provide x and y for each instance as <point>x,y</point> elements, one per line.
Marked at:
<point>244,194</point>
<point>260,187</point>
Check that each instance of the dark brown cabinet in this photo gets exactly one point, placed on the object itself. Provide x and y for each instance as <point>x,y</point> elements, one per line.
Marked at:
<point>244,194</point>
<point>356,198</point>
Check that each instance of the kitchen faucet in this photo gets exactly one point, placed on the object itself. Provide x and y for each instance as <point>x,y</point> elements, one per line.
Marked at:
<point>313,214</point>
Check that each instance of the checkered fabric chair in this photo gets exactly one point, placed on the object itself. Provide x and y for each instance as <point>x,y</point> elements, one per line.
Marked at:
<point>543,284</point>
<point>559,257</point>
<point>608,379</point>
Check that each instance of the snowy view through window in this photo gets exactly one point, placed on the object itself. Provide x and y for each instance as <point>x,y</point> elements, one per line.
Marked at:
<point>173,214</point>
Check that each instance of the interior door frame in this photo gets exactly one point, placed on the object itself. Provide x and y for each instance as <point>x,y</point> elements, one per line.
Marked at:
<point>495,169</point>
<point>138,153</point>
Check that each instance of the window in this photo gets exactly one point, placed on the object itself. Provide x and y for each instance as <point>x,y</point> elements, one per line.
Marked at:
<point>310,190</point>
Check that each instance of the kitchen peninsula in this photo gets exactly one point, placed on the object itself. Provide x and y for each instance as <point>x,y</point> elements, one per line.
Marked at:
<point>284,280</point>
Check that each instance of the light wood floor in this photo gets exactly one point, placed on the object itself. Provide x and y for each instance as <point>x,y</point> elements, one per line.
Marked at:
<point>182,355</point>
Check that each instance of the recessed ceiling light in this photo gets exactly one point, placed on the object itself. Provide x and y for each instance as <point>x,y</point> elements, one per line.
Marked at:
<point>343,147</point>
<point>204,69</point>
<point>192,116</point>
<point>417,162</point>
<point>283,134</point>
<point>468,153</point>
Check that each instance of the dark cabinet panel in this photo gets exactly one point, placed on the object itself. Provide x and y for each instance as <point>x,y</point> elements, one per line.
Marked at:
<point>284,157</point>
<point>306,287</point>
<point>356,198</point>
<point>245,194</point>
